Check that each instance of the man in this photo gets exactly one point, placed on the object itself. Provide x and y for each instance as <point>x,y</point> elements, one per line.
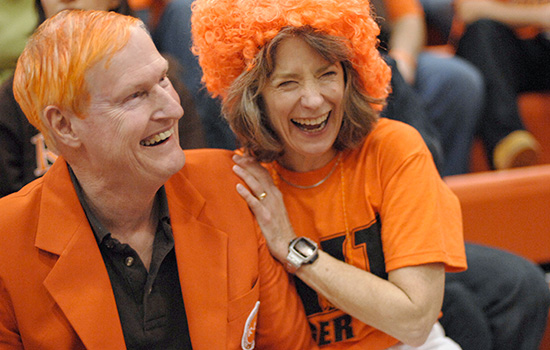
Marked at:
<point>118,246</point>
<point>22,147</point>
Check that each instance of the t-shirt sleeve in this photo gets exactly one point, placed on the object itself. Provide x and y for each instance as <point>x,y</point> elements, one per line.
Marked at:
<point>420,216</point>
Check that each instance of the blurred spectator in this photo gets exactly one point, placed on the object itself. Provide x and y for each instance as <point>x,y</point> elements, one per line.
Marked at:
<point>439,17</point>
<point>170,25</point>
<point>17,21</point>
<point>509,42</point>
<point>509,46</point>
<point>450,88</point>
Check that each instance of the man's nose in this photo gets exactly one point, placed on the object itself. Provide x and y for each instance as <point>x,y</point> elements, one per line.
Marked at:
<point>167,102</point>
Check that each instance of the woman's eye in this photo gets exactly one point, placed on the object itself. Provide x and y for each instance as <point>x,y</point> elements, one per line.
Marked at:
<point>287,83</point>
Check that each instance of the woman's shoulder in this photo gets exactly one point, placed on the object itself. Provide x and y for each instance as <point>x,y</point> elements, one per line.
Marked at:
<point>395,135</point>
<point>389,146</point>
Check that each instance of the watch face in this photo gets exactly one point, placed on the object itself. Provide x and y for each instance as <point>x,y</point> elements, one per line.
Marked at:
<point>305,248</point>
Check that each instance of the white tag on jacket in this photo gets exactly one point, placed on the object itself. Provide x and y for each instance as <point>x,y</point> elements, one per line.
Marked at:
<point>249,334</point>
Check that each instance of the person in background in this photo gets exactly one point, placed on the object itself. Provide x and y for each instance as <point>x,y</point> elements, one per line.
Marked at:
<point>22,147</point>
<point>506,41</point>
<point>509,42</point>
<point>169,21</point>
<point>450,88</point>
<point>17,21</point>
<point>119,245</point>
<point>439,18</point>
<point>302,83</point>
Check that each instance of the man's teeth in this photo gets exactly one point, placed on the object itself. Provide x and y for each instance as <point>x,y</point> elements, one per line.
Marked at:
<point>153,140</point>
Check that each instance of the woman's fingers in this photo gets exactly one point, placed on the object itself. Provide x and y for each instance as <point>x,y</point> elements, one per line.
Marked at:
<point>254,175</point>
<point>255,186</point>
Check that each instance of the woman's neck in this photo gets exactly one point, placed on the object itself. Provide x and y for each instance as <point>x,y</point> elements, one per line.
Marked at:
<point>303,163</point>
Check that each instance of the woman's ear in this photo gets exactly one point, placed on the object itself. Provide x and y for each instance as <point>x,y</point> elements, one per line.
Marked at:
<point>61,127</point>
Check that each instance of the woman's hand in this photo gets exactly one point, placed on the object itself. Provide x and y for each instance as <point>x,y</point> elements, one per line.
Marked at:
<point>266,202</point>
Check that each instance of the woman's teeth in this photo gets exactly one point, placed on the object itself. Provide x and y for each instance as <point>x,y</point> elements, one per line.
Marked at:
<point>156,139</point>
<point>311,125</point>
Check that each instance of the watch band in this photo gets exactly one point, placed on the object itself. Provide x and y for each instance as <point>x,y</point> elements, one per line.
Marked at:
<point>301,250</point>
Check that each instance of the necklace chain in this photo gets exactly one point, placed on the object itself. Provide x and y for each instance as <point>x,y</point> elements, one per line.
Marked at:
<point>315,184</point>
<point>348,248</point>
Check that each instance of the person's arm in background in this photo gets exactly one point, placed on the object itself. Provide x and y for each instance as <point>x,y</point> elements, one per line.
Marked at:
<point>408,34</point>
<point>511,14</point>
<point>17,153</point>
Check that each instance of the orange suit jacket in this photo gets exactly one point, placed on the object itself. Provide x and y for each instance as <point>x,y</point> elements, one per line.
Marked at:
<point>55,292</point>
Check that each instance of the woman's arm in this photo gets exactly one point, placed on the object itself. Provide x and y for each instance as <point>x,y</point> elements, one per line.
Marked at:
<point>405,306</point>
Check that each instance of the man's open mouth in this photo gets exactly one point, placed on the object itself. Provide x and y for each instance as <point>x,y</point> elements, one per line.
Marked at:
<point>157,139</point>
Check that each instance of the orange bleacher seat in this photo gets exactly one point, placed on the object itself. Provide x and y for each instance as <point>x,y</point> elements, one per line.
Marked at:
<point>510,210</point>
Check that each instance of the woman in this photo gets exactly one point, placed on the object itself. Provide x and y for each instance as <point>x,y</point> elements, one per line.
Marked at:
<point>301,83</point>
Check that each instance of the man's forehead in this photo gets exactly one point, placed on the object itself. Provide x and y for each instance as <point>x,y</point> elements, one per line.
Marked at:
<point>139,49</point>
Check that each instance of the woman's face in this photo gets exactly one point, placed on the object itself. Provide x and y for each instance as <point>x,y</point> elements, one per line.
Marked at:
<point>51,7</point>
<point>303,101</point>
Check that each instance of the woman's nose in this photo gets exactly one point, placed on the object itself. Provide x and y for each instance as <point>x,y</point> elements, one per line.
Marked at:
<point>311,96</point>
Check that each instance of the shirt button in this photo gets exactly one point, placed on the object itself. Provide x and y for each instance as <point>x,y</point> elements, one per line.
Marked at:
<point>129,261</point>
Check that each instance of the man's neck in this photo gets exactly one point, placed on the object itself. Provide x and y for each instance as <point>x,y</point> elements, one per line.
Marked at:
<point>128,211</point>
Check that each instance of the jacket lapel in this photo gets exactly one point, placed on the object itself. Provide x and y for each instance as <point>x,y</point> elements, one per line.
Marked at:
<point>201,252</point>
<point>78,282</point>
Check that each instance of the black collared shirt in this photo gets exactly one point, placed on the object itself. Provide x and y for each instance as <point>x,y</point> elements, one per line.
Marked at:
<point>149,303</point>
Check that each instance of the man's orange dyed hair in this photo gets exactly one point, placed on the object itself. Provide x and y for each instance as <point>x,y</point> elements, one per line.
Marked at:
<point>52,68</point>
<point>227,35</point>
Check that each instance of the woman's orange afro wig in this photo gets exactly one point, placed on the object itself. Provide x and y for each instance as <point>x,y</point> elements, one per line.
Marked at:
<point>227,35</point>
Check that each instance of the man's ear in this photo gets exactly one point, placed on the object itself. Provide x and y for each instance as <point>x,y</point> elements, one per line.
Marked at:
<point>61,126</point>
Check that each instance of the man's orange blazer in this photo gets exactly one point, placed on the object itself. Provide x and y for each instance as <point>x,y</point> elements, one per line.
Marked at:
<point>55,292</point>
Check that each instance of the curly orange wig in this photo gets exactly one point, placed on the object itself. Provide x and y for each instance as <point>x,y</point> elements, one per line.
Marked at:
<point>227,35</point>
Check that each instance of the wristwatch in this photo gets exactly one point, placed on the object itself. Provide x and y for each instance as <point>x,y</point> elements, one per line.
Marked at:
<point>301,250</point>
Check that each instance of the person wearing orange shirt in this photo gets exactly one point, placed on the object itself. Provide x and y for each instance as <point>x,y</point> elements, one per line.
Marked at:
<point>350,203</point>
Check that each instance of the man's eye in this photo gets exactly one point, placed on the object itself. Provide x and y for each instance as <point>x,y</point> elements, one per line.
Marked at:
<point>164,80</point>
<point>136,94</point>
